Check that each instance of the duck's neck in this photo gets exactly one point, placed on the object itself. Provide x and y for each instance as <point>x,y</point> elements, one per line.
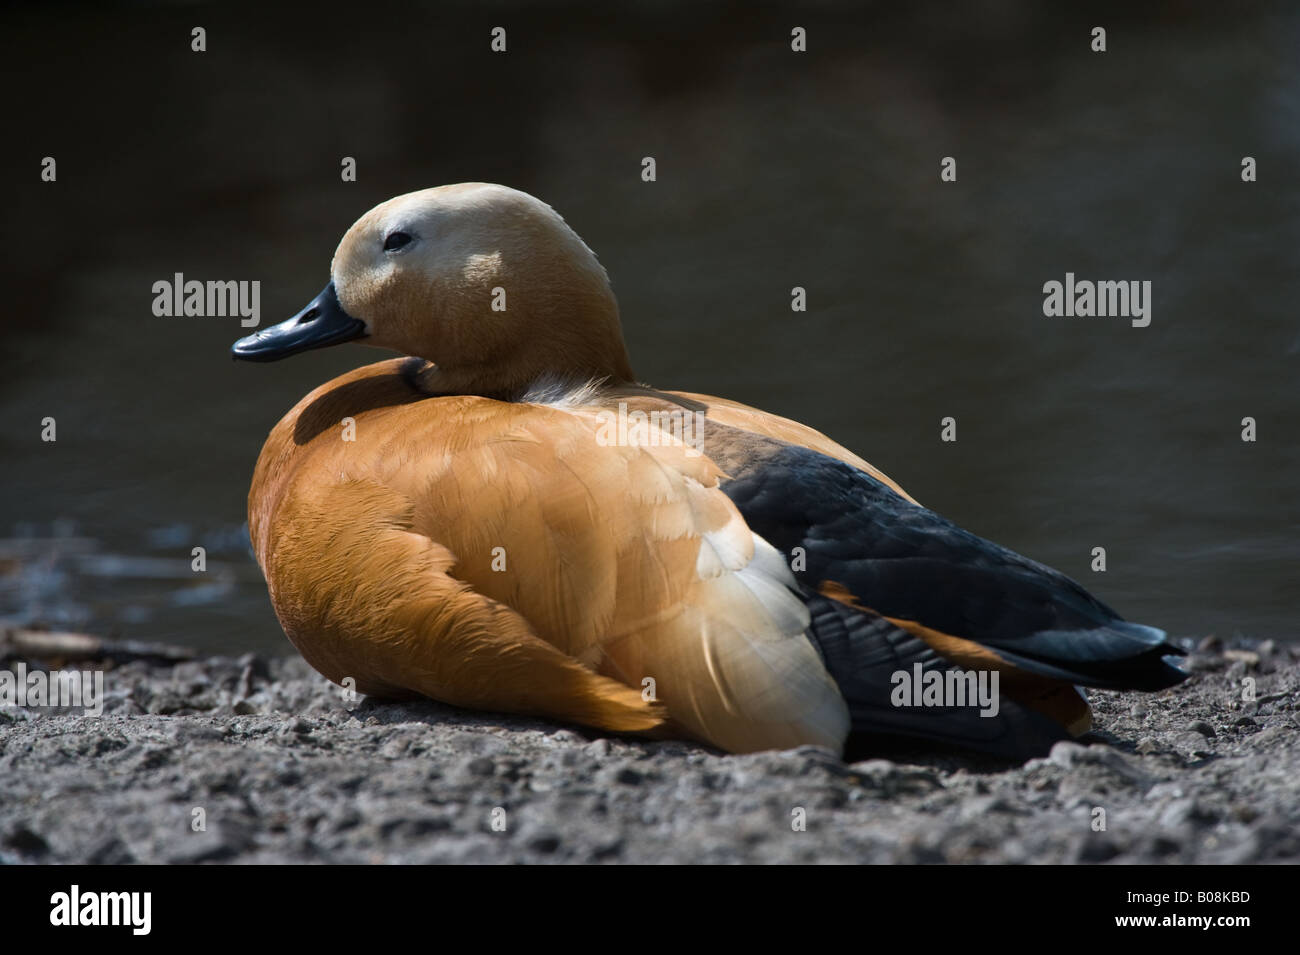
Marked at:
<point>562,330</point>
<point>511,379</point>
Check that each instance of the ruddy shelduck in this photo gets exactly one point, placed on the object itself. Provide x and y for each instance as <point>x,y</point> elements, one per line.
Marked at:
<point>507,520</point>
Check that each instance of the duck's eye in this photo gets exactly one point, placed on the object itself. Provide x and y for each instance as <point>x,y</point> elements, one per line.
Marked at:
<point>395,241</point>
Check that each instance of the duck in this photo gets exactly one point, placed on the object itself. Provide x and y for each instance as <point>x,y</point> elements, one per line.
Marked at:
<point>503,518</point>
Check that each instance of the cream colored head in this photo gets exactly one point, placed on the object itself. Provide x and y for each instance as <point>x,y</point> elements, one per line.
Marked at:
<point>487,282</point>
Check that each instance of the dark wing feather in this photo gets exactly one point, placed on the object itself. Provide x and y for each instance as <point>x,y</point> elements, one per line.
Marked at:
<point>863,652</point>
<point>906,562</point>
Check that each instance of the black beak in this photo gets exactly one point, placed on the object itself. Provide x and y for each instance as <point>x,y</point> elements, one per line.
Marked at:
<point>323,322</point>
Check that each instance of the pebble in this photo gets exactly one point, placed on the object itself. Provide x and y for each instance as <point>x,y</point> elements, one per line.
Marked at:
<point>481,766</point>
<point>23,839</point>
<point>224,839</point>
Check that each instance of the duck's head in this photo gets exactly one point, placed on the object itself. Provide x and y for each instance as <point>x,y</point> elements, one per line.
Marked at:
<point>486,282</point>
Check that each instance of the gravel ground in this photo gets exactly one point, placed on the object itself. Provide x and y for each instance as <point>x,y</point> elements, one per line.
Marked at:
<point>284,771</point>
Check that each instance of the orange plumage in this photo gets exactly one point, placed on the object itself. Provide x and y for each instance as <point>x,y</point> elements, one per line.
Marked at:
<point>482,541</point>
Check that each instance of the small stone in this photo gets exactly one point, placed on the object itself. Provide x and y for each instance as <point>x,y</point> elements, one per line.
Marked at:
<point>1248,657</point>
<point>1097,848</point>
<point>1147,745</point>
<point>987,805</point>
<point>1210,644</point>
<point>545,842</point>
<point>1267,649</point>
<point>1245,812</point>
<point>1162,845</point>
<point>566,738</point>
<point>164,703</point>
<point>110,851</point>
<point>1202,727</point>
<point>890,780</point>
<point>22,838</point>
<point>482,766</point>
<point>244,685</point>
<point>874,767</point>
<point>1244,721</point>
<point>1066,753</point>
<point>1178,813</point>
<point>254,665</point>
<point>222,840</point>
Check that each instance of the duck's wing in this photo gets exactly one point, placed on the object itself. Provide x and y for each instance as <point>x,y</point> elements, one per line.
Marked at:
<point>373,604</point>
<point>968,598</point>
<point>507,556</point>
<point>898,574</point>
<point>755,421</point>
<point>880,669</point>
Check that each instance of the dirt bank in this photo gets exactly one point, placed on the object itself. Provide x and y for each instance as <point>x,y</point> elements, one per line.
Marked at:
<point>284,771</point>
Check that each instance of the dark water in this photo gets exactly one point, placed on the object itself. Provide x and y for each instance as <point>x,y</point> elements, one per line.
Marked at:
<point>774,170</point>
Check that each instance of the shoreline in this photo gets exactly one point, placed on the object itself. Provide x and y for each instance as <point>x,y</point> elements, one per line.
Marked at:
<point>282,769</point>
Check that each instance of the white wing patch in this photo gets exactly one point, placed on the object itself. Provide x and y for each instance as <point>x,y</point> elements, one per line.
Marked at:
<point>773,681</point>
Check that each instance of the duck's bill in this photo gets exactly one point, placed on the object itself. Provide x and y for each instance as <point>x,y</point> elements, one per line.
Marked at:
<point>322,323</point>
